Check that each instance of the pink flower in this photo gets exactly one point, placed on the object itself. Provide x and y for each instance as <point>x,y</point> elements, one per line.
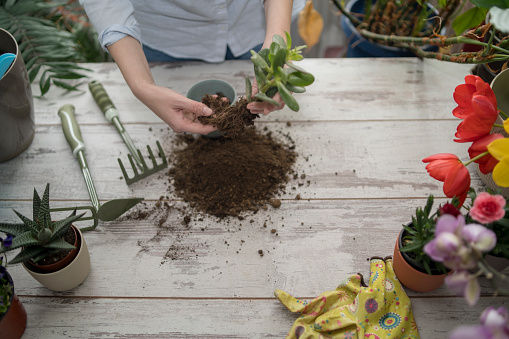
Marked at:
<point>488,208</point>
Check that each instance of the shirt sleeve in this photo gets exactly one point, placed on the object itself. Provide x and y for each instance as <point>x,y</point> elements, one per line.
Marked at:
<point>112,19</point>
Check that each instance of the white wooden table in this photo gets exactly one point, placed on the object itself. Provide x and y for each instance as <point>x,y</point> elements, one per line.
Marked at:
<point>364,126</point>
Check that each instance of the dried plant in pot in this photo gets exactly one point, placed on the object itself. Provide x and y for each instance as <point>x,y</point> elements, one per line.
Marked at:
<point>13,317</point>
<point>46,252</point>
<point>414,268</point>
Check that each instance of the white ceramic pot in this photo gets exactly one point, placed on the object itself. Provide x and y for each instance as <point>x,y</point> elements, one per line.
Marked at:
<point>70,276</point>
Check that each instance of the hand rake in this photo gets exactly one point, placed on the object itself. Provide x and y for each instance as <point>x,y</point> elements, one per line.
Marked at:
<point>135,157</point>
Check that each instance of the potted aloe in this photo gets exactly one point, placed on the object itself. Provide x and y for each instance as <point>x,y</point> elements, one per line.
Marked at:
<point>13,317</point>
<point>413,267</point>
<point>53,252</point>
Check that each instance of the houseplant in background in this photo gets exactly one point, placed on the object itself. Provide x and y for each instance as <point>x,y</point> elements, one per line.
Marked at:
<point>53,252</point>
<point>52,37</point>
<point>414,268</point>
<point>13,317</point>
<point>409,25</point>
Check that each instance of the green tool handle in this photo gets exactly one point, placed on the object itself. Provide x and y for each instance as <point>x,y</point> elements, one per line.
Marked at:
<point>71,129</point>
<point>103,100</point>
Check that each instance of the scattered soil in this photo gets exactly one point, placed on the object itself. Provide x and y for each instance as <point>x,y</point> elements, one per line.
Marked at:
<point>231,120</point>
<point>225,177</point>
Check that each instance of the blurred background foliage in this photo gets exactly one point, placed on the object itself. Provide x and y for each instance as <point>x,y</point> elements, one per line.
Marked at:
<point>52,38</point>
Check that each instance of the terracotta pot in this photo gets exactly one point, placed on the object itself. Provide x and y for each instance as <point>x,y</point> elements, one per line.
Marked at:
<point>70,276</point>
<point>60,264</point>
<point>14,322</point>
<point>16,103</point>
<point>411,275</point>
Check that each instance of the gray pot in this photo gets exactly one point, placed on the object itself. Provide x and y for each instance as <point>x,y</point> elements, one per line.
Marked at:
<point>211,87</point>
<point>17,126</point>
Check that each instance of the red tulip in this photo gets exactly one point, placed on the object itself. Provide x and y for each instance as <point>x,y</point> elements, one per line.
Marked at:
<point>478,123</point>
<point>450,170</point>
<point>487,162</point>
<point>464,93</point>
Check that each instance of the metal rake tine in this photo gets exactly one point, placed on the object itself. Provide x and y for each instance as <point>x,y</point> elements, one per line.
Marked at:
<point>142,159</point>
<point>161,152</point>
<point>151,155</point>
<point>126,177</point>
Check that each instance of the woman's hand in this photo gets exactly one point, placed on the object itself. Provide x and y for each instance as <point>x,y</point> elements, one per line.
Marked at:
<point>262,107</point>
<point>179,112</point>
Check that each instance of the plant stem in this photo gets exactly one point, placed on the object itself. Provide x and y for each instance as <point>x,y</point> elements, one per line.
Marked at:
<point>355,21</point>
<point>476,158</point>
<point>503,114</point>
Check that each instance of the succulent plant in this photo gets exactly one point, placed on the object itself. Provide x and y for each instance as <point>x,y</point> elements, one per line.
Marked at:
<point>272,76</point>
<point>41,236</point>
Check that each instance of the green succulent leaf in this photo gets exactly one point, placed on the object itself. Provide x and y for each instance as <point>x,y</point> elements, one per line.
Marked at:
<point>59,244</point>
<point>13,229</point>
<point>280,41</point>
<point>261,78</point>
<point>282,74</point>
<point>301,79</point>
<point>287,97</point>
<point>249,89</point>
<point>259,61</point>
<point>295,67</point>
<point>295,89</point>
<point>27,254</point>
<point>61,226</point>
<point>30,225</point>
<point>279,59</point>
<point>263,97</point>
<point>21,240</point>
<point>288,40</point>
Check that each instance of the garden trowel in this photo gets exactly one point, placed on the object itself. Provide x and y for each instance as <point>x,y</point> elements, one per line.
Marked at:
<point>110,210</point>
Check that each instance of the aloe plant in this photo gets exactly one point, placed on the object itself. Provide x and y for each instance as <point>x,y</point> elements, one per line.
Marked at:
<point>39,237</point>
<point>273,77</point>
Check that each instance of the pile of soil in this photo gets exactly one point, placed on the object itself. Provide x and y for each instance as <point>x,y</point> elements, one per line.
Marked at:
<point>231,120</point>
<point>226,177</point>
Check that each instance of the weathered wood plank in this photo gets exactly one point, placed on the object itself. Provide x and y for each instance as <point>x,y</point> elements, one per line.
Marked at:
<point>316,244</point>
<point>345,89</point>
<point>350,159</point>
<point>209,318</point>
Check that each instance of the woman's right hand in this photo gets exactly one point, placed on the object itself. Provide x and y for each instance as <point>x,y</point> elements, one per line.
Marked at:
<point>179,112</point>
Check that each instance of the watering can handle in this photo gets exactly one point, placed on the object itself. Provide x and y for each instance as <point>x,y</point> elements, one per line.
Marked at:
<point>71,129</point>
<point>103,100</point>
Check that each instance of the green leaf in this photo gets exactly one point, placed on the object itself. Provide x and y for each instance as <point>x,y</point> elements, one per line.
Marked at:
<point>280,41</point>
<point>23,240</point>
<point>261,79</point>
<point>295,89</point>
<point>259,61</point>
<point>491,3</point>
<point>287,97</point>
<point>65,85</point>
<point>279,60</point>
<point>288,40</point>
<point>301,79</point>
<point>469,19</point>
<point>263,97</point>
<point>282,74</point>
<point>295,67</point>
<point>13,229</point>
<point>249,89</point>
<point>27,254</point>
<point>59,244</point>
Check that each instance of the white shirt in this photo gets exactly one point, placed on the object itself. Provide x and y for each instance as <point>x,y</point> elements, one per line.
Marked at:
<point>196,29</point>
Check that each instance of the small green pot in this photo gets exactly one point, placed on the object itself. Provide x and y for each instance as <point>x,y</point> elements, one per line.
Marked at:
<point>211,87</point>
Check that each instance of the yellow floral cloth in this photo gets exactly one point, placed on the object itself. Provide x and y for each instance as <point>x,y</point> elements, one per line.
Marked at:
<point>353,311</point>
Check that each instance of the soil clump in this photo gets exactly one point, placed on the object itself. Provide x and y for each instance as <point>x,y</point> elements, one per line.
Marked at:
<point>231,120</point>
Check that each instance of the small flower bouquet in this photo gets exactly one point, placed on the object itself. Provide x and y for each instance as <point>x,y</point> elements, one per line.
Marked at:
<point>477,107</point>
<point>461,242</point>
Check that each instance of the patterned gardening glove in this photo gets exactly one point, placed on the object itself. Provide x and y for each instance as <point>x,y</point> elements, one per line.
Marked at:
<point>354,310</point>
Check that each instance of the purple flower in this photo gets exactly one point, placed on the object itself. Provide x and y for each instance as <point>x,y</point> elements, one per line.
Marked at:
<point>7,242</point>
<point>464,284</point>
<point>494,325</point>
<point>479,237</point>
